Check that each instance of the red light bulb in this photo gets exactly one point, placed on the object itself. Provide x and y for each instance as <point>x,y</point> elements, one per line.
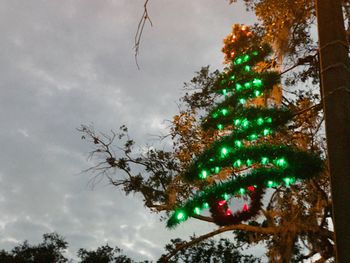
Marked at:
<point>251,188</point>
<point>222,202</point>
<point>245,208</point>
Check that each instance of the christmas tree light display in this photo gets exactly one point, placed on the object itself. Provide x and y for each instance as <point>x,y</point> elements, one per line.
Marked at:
<point>243,162</point>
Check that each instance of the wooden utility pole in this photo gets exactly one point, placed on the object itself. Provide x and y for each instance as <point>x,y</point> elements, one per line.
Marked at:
<point>335,80</point>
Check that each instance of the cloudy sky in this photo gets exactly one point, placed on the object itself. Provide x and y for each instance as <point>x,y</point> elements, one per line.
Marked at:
<point>69,62</point>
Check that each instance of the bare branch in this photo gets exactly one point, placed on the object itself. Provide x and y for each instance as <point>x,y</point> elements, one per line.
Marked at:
<point>243,227</point>
<point>144,18</point>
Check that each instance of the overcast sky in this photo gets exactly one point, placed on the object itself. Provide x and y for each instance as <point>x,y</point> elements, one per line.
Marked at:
<point>69,62</point>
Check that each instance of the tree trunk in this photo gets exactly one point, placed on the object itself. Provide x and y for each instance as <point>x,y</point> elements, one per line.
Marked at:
<point>335,79</point>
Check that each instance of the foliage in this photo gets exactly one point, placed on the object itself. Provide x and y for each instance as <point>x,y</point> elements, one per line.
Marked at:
<point>50,250</point>
<point>289,26</point>
<point>103,254</point>
<point>222,251</point>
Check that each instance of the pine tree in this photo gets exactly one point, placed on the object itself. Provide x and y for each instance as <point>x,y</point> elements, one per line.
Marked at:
<point>244,159</point>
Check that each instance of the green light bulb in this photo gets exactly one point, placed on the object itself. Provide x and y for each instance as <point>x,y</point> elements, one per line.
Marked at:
<point>224,151</point>
<point>224,111</point>
<point>242,101</point>
<point>264,160</point>
<point>237,163</point>
<point>238,87</point>
<point>246,58</point>
<point>260,121</point>
<point>288,181</point>
<point>247,68</point>
<point>253,136</point>
<point>205,205</point>
<point>266,132</point>
<point>255,53</point>
<point>203,174</point>
<point>197,210</point>
<point>232,77</point>
<point>237,122</point>
<point>238,61</point>
<point>214,115</point>
<point>249,162</point>
<point>247,85</point>
<point>224,92</point>
<point>180,215</point>
<point>268,119</point>
<point>257,82</point>
<point>226,196</point>
<point>217,169</point>
<point>257,93</point>
<point>270,183</point>
<point>241,191</point>
<point>238,143</point>
<point>245,123</point>
<point>220,126</point>
<point>281,162</point>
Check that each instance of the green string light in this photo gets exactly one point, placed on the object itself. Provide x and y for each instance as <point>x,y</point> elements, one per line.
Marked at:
<point>242,101</point>
<point>241,191</point>
<point>266,132</point>
<point>237,122</point>
<point>249,162</point>
<point>247,85</point>
<point>238,61</point>
<point>224,112</point>
<point>238,87</point>
<point>224,151</point>
<point>180,215</point>
<point>237,164</point>
<point>288,181</point>
<point>220,126</point>
<point>257,82</point>
<point>203,174</point>
<point>253,136</point>
<point>260,121</point>
<point>281,162</point>
<point>226,196</point>
<point>205,205</point>
<point>264,160</point>
<point>238,143</point>
<point>197,210</point>
<point>246,58</point>
<point>245,123</point>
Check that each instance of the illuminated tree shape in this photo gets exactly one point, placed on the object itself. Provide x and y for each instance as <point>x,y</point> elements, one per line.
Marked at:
<point>255,163</point>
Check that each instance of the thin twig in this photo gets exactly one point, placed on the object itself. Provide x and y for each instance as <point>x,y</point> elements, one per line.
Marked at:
<point>316,106</point>
<point>144,18</point>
